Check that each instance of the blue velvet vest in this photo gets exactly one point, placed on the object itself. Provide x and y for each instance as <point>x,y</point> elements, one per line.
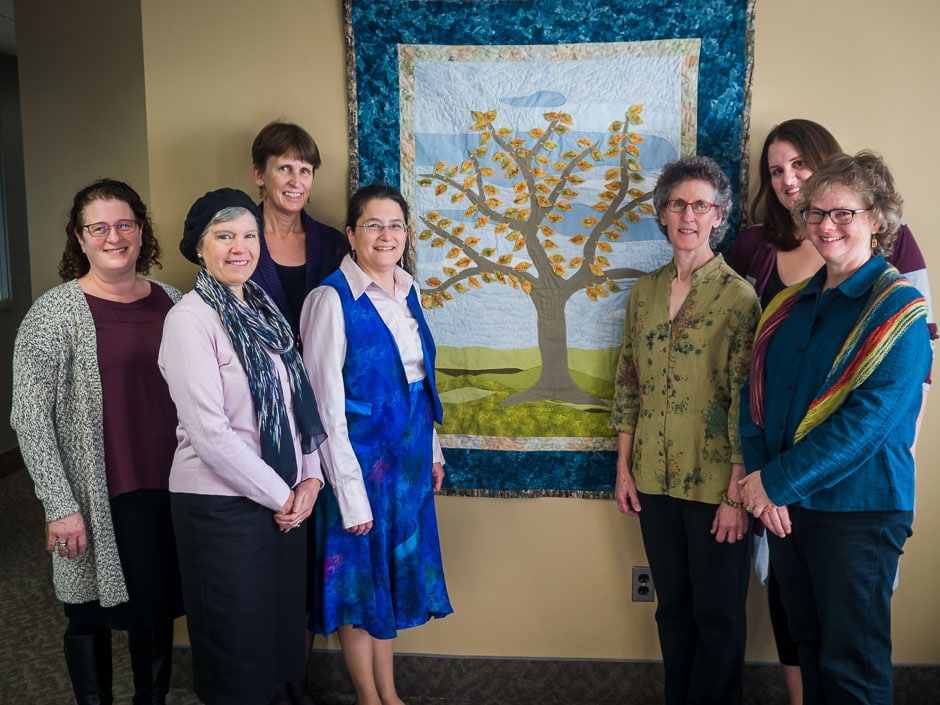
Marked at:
<point>378,402</point>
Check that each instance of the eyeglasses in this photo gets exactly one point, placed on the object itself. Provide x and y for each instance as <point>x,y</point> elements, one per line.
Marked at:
<point>839,216</point>
<point>376,228</point>
<point>121,227</point>
<point>698,207</point>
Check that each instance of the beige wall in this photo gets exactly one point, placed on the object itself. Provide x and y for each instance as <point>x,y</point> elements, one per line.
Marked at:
<point>214,80</point>
<point>13,193</point>
<point>84,113</point>
<point>531,578</point>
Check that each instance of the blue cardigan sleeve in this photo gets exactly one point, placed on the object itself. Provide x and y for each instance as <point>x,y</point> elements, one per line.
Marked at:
<point>881,411</point>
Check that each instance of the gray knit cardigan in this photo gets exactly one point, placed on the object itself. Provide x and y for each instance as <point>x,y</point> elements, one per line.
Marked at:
<point>57,416</point>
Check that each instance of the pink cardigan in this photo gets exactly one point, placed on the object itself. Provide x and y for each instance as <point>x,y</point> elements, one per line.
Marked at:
<point>219,450</point>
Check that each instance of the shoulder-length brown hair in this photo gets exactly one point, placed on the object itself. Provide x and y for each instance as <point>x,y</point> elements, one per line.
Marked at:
<point>74,263</point>
<point>816,145</point>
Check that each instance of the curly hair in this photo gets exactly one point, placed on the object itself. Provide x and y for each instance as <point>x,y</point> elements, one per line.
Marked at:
<point>866,175</point>
<point>74,263</point>
<point>695,168</point>
<point>815,145</point>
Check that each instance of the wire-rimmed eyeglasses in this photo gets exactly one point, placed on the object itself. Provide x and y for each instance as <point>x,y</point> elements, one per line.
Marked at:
<point>375,228</point>
<point>121,227</point>
<point>678,205</point>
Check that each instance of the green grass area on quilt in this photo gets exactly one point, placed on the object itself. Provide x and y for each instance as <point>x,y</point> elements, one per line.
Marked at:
<point>475,384</point>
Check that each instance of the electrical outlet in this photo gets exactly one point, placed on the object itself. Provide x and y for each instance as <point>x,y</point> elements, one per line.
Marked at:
<point>643,589</point>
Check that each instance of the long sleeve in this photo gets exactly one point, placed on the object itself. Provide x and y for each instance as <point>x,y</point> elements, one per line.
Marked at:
<point>858,457</point>
<point>626,402</point>
<point>742,324</point>
<point>311,467</point>
<point>219,450</point>
<point>875,417</point>
<point>323,331</point>
<point>909,260</point>
<point>41,348</point>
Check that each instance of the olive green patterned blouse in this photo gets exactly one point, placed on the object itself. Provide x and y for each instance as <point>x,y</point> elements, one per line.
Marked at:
<point>678,382</point>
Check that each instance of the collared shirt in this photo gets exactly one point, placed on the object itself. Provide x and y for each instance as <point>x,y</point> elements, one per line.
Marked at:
<point>322,328</point>
<point>859,459</point>
<point>678,380</point>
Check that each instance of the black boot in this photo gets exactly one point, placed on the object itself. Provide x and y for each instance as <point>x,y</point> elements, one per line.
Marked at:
<point>151,661</point>
<point>280,695</point>
<point>88,655</point>
<point>299,692</point>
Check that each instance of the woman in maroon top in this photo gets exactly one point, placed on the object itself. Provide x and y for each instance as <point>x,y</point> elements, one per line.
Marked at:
<point>97,430</point>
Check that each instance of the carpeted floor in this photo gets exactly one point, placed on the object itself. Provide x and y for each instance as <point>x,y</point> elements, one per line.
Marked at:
<point>32,668</point>
<point>33,672</point>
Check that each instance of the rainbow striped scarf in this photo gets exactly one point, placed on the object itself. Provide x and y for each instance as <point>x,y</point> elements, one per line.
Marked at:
<point>892,307</point>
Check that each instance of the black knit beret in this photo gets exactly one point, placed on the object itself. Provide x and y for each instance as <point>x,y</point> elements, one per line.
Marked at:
<point>205,209</point>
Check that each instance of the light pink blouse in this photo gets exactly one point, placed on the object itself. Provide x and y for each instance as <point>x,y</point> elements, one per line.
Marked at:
<point>219,449</point>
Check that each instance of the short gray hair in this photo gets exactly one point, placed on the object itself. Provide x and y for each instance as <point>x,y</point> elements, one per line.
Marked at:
<point>226,215</point>
<point>695,168</point>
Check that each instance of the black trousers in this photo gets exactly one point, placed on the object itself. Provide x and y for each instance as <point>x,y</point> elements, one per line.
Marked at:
<point>701,589</point>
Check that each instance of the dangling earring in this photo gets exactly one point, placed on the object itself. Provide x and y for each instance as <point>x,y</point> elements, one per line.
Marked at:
<point>874,242</point>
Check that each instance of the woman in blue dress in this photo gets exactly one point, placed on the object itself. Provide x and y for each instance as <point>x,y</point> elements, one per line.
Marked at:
<point>370,357</point>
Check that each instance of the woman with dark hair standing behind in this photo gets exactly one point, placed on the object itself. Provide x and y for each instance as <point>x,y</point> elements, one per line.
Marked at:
<point>774,253</point>
<point>96,427</point>
<point>297,252</point>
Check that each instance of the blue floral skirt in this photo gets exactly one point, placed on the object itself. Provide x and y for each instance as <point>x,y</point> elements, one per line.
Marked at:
<point>392,578</point>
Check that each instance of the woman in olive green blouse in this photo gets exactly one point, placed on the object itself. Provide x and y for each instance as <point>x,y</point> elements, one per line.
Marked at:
<point>684,357</point>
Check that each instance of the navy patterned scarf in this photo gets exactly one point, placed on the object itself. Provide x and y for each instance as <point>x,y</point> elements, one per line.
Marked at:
<point>257,328</point>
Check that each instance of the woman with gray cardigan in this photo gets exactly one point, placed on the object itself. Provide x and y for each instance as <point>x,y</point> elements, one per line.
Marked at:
<point>96,428</point>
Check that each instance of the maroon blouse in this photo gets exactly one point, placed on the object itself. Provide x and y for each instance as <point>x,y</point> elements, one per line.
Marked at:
<point>139,416</point>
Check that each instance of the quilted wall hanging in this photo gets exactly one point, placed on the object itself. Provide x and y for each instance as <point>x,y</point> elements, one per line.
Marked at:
<point>527,136</point>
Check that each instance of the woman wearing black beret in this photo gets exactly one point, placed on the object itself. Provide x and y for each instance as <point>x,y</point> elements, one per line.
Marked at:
<point>245,475</point>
